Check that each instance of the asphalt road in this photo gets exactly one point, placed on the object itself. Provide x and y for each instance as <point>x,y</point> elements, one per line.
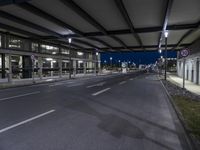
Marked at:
<point>116,112</point>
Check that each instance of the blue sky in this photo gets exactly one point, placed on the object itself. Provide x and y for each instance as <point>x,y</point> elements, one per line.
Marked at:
<point>136,57</point>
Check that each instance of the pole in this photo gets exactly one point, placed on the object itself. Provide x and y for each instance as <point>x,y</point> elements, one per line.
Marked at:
<point>165,58</point>
<point>184,73</point>
<point>33,71</point>
<point>70,61</point>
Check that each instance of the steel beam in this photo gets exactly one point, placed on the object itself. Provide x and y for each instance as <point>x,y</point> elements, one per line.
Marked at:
<point>128,31</point>
<point>145,46</point>
<point>27,23</point>
<point>128,21</point>
<point>165,20</point>
<point>34,26</point>
<point>89,19</point>
<point>16,30</point>
<point>187,34</point>
<point>9,2</point>
<point>53,19</point>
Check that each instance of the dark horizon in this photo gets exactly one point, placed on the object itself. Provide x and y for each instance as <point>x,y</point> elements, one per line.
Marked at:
<point>136,57</point>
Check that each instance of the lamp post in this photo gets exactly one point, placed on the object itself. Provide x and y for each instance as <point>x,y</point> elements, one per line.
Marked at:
<point>119,63</point>
<point>70,61</point>
<point>166,36</point>
<point>96,62</point>
<point>111,62</point>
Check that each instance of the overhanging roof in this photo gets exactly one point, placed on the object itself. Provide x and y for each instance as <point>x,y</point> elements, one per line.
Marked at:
<point>109,25</point>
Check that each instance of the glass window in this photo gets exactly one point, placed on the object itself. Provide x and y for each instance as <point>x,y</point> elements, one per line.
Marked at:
<point>90,55</point>
<point>14,42</point>
<point>49,49</point>
<point>80,53</point>
<point>35,47</point>
<point>65,51</point>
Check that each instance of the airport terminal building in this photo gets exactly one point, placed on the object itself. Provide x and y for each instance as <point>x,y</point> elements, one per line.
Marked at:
<point>192,64</point>
<point>20,57</point>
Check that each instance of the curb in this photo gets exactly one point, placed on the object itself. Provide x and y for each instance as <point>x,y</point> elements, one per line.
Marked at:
<point>187,136</point>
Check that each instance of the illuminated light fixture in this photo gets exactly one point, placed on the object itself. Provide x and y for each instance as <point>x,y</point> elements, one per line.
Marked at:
<point>49,59</point>
<point>110,58</point>
<point>69,40</point>
<point>54,61</point>
<point>80,53</point>
<point>66,61</point>
<point>119,60</point>
<point>80,61</point>
<point>97,53</point>
<point>161,56</point>
<point>49,47</point>
<point>166,34</point>
<point>53,53</point>
<point>160,51</point>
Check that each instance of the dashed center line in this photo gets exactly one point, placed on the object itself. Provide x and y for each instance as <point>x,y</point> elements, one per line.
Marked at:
<point>99,84</point>
<point>17,96</point>
<point>26,121</point>
<point>122,82</point>
<point>99,92</point>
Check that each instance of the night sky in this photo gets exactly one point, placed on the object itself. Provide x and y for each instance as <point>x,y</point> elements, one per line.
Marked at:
<point>136,57</point>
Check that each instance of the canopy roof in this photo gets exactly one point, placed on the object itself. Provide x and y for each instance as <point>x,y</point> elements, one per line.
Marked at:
<point>104,25</point>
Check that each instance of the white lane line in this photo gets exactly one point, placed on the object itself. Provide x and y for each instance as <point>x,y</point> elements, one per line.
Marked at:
<point>56,84</point>
<point>26,121</point>
<point>98,84</point>
<point>99,92</point>
<point>122,82</point>
<point>22,95</point>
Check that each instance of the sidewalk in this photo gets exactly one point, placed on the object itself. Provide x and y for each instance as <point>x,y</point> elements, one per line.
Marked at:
<point>190,86</point>
<point>23,82</point>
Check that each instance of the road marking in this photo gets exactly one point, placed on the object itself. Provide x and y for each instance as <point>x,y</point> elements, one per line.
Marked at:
<point>99,84</point>
<point>76,84</point>
<point>26,121</point>
<point>56,84</point>
<point>131,79</point>
<point>102,91</point>
<point>122,82</point>
<point>22,95</point>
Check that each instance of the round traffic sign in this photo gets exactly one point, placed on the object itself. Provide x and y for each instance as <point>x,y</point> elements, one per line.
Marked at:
<point>32,57</point>
<point>184,52</point>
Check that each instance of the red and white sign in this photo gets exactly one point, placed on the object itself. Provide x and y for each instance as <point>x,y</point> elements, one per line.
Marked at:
<point>184,52</point>
<point>32,57</point>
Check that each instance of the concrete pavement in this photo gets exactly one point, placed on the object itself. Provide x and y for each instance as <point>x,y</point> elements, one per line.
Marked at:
<point>109,113</point>
<point>190,86</point>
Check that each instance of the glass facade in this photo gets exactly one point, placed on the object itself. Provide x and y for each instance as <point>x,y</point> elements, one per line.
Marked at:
<point>35,47</point>
<point>47,61</point>
<point>15,43</point>
<point>49,49</point>
<point>65,51</point>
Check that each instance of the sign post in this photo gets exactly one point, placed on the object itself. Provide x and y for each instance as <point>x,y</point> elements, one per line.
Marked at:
<point>33,62</point>
<point>184,53</point>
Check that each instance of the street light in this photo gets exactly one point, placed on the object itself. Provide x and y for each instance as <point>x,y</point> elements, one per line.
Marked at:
<point>119,62</point>
<point>70,61</point>
<point>111,62</point>
<point>96,62</point>
<point>166,36</point>
<point>160,51</point>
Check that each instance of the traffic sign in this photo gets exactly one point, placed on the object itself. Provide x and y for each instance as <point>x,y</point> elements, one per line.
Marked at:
<point>184,52</point>
<point>32,57</point>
